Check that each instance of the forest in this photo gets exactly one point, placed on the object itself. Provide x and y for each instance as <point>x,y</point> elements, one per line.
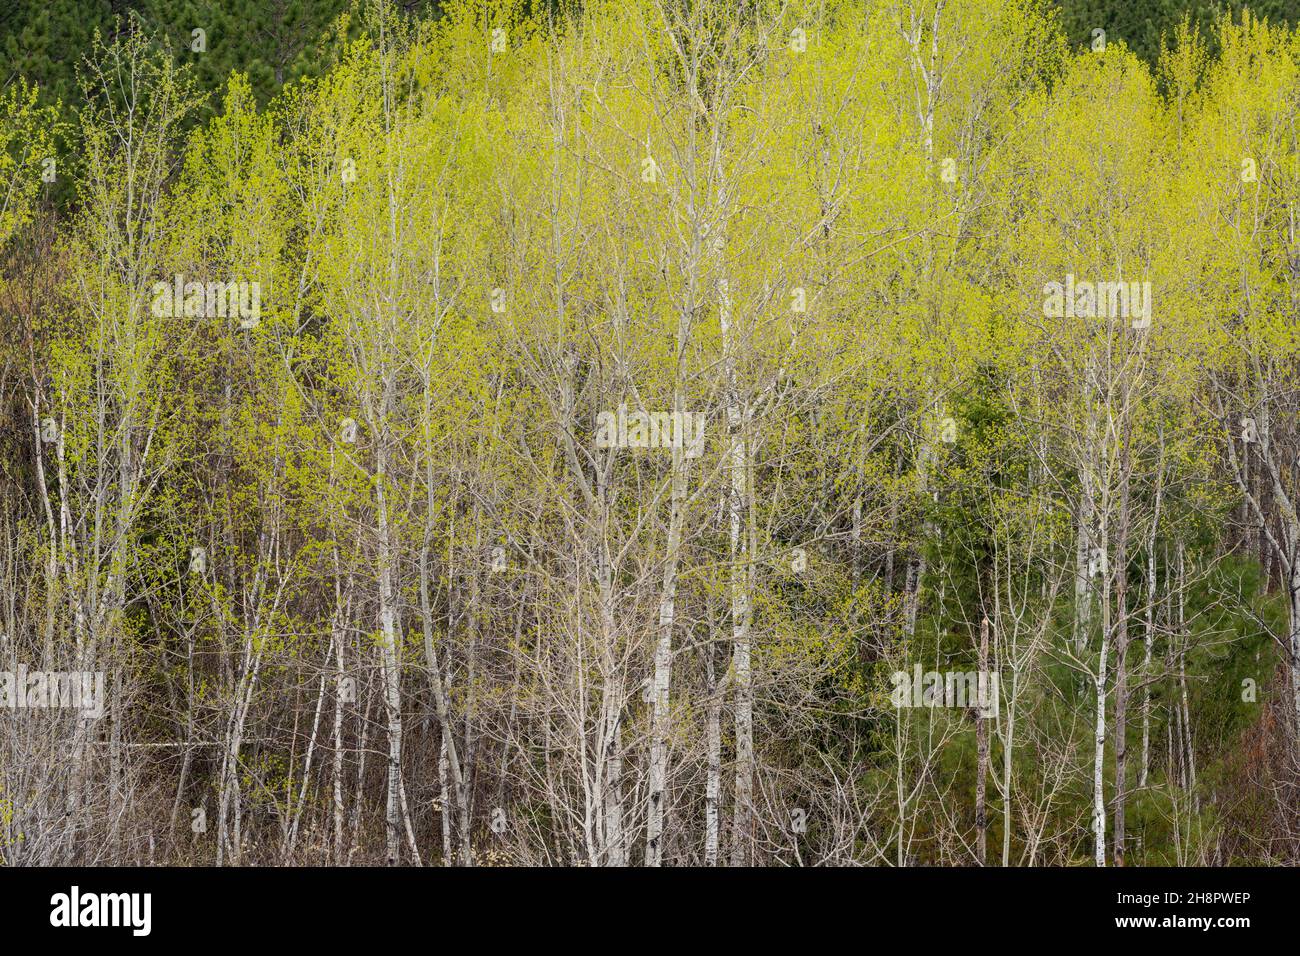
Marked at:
<point>650,433</point>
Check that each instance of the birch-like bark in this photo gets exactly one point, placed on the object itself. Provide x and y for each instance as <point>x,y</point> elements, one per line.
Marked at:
<point>1084,544</point>
<point>300,803</point>
<point>713,757</point>
<point>737,500</point>
<point>1099,756</point>
<point>982,746</point>
<point>449,757</point>
<point>660,718</point>
<point>388,652</point>
<point>1149,634</point>
<point>1187,743</point>
<point>661,714</point>
<point>337,762</point>
<point>1121,696</point>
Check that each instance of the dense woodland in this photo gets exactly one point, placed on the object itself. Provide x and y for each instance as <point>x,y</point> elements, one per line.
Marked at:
<point>278,41</point>
<point>369,578</point>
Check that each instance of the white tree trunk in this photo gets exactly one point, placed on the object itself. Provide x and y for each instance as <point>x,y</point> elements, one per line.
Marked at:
<point>1099,759</point>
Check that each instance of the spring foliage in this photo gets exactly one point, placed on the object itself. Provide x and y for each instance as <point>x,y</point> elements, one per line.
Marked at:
<point>366,586</point>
